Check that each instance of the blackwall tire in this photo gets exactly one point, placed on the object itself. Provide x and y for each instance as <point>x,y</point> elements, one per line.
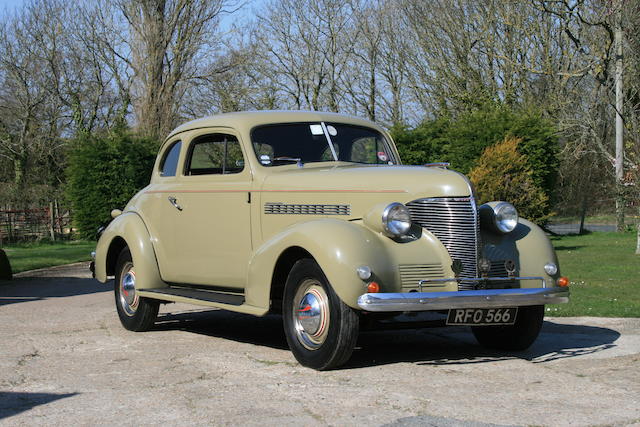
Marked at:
<point>516,337</point>
<point>321,330</point>
<point>135,313</point>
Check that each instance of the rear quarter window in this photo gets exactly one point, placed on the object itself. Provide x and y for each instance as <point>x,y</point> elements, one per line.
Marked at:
<point>169,164</point>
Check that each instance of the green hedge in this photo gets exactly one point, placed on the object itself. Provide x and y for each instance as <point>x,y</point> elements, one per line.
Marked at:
<point>462,140</point>
<point>104,172</point>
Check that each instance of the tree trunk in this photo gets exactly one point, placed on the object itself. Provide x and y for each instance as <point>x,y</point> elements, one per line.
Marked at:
<point>19,170</point>
<point>583,213</point>
<point>620,203</point>
<point>638,235</point>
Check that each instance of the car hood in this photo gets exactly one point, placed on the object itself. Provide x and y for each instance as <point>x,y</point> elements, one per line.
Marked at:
<point>346,181</point>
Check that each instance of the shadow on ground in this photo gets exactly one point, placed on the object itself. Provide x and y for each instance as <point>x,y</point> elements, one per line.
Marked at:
<point>456,345</point>
<point>430,346</point>
<point>13,403</point>
<point>34,289</point>
<point>266,331</point>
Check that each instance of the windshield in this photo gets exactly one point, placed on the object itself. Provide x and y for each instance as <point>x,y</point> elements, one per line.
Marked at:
<point>300,143</point>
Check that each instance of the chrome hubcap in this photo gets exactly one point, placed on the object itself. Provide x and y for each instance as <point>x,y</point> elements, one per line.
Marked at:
<point>310,313</point>
<point>128,295</point>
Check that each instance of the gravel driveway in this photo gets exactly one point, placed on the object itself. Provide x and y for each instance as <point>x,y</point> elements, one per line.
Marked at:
<point>65,359</point>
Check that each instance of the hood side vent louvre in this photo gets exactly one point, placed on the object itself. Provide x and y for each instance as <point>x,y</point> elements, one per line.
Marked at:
<point>285,209</point>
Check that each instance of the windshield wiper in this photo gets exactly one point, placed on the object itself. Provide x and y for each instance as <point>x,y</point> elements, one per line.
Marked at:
<point>289,159</point>
<point>329,141</point>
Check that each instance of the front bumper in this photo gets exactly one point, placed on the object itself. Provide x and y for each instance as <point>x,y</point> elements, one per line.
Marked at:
<point>486,298</point>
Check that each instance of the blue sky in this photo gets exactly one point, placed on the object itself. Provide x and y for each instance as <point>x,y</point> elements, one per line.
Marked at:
<point>247,10</point>
<point>9,5</point>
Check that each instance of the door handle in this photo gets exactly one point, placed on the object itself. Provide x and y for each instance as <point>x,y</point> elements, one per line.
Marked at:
<point>174,202</point>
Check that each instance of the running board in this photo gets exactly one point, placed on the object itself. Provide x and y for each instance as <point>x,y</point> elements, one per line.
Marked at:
<point>198,294</point>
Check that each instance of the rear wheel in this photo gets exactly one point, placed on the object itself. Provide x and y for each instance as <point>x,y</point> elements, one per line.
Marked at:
<point>321,330</point>
<point>135,313</point>
<point>518,336</point>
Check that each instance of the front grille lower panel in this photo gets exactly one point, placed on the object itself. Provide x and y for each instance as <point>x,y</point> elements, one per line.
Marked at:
<point>454,221</point>
<point>412,274</point>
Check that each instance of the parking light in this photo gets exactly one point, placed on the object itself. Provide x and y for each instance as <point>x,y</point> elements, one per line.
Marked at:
<point>373,288</point>
<point>364,272</point>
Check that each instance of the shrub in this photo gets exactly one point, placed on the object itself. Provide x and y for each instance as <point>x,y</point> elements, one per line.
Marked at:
<point>502,173</point>
<point>104,172</point>
<point>462,140</point>
<point>474,131</point>
<point>424,144</point>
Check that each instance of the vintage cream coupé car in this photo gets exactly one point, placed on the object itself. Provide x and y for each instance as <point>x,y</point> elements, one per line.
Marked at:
<point>312,215</point>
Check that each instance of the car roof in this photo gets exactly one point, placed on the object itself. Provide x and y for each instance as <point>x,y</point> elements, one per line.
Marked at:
<point>249,119</point>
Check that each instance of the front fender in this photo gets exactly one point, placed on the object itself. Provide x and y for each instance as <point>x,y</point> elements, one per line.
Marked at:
<point>130,228</point>
<point>340,247</point>
<point>528,246</point>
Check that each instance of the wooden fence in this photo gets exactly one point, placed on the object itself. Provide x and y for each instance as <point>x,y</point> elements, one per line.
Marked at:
<point>34,224</point>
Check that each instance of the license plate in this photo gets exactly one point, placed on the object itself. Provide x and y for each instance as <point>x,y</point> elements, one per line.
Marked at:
<point>482,316</point>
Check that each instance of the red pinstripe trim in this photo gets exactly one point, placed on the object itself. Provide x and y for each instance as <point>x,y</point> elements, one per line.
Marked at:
<point>193,191</point>
<point>272,191</point>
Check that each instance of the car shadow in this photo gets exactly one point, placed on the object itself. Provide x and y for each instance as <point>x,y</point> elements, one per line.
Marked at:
<point>265,331</point>
<point>33,289</point>
<point>456,345</point>
<point>427,346</point>
<point>13,403</point>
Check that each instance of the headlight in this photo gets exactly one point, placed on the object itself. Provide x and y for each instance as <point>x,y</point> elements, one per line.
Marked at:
<point>550,268</point>
<point>499,216</point>
<point>506,217</point>
<point>396,220</point>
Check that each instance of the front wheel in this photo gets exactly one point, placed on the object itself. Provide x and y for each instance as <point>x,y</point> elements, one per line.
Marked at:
<point>135,313</point>
<point>516,337</point>
<point>321,330</point>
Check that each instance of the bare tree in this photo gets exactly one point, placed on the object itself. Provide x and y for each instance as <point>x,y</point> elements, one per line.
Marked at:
<point>29,113</point>
<point>166,39</point>
<point>303,45</point>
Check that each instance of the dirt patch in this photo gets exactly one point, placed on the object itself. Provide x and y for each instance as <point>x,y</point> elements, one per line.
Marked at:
<point>65,358</point>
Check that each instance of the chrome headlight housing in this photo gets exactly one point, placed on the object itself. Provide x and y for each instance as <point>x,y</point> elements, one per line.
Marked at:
<point>396,220</point>
<point>499,216</point>
<point>506,217</point>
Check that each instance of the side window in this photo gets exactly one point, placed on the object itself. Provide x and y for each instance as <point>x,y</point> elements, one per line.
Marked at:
<point>215,154</point>
<point>169,163</point>
<point>364,150</point>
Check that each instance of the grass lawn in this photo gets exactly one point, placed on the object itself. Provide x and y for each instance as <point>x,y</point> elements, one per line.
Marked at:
<point>630,219</point>
<point>603,269</point>
<point>604,272</point>
<point>39,255</point>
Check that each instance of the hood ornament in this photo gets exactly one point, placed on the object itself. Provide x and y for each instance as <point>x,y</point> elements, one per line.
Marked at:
<point>443,165</point>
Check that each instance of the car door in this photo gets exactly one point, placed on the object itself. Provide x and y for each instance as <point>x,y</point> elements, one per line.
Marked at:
<point>206,214</point>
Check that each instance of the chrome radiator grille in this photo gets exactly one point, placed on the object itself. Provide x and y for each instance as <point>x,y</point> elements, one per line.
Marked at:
<point>454,221</point>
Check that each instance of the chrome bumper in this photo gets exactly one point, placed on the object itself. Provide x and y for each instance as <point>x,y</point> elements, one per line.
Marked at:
<point>486,298</point>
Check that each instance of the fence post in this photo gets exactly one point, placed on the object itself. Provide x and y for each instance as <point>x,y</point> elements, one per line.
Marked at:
<point>9,226</point>
<point>52,230</point>
<point>58,219</point>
